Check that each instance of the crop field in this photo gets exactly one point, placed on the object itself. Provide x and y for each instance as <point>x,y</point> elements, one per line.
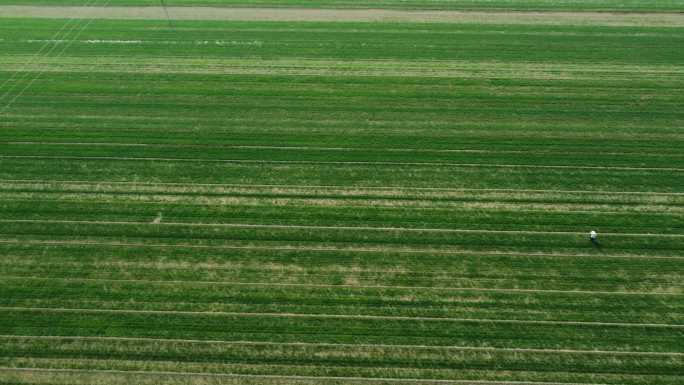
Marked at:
<point>343,202</point>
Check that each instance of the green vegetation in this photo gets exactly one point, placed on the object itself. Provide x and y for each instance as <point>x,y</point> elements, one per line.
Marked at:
<point>327,203</point>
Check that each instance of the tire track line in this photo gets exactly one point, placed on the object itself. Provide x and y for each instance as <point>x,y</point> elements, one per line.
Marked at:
<point>344,228</point>
<point>340,163</point>
<point>341,286</point>
<point>323,344</point>
<point>343,317</point>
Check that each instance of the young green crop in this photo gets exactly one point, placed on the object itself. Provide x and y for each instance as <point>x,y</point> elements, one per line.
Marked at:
<point>335,203</point>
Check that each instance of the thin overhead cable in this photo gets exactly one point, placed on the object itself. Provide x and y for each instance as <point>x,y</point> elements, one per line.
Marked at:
<point>53,40</point>
<point>166,12</point>
<point>69,43</point>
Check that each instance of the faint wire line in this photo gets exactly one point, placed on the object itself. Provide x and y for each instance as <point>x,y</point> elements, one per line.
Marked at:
<point>166,12</point>
<point>68,45</point>
<point>40,52</point>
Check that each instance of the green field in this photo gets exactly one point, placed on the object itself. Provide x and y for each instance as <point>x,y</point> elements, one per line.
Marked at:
<point>234,202</point>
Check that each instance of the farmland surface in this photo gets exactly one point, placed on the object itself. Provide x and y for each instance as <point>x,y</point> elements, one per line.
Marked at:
<point>318,202</point>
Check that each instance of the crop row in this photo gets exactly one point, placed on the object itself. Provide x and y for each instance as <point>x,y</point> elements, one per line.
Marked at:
<point>337,360</point>
<point>282,211</point>
<point>304,265</point>
<point>341,300</point>
<point>483,240</point>
<point>197,193</point>
<point>340,329</point>
<point>655,161</point>
<point>359,175</point>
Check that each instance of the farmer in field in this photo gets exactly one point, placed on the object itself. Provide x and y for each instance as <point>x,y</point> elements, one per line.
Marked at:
<point>593,237</point>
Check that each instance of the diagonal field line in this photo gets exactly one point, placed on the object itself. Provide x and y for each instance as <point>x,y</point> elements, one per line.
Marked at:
<point>343,345</point>
<point>479,253</point>
<point>341,317</point>
<point>341,286</point>
<point>340,187</point>
<point>40,51</point>
<point>284,377</point>
<point>68,45</point>
<point>341,163</point>
<point>345,228</point>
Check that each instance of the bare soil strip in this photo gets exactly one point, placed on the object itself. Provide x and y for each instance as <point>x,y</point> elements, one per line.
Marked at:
<point>282,377</point>
<point>321,344</point>
<point>350,15</point>
<point>344,228</point>
<point>343,286</point>
<point>340,316</point>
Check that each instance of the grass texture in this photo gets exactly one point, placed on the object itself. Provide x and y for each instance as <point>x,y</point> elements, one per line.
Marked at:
<point>335,203</point>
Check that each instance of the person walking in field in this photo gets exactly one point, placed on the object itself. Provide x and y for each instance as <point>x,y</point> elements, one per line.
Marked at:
<point>593,237</point>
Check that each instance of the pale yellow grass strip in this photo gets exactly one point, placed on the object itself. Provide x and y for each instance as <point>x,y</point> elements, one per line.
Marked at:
<point>357,15</point>
<point>322,344</point>
<point>342,163</point>
<point>340,316</point>
<point>342,286</point>
<point>344,228</point>
<point>340,187</point>
<point>364,68</point>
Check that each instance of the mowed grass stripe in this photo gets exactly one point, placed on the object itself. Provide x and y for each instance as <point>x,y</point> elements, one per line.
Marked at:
<point>443,304</point>
<point>326,248</point>
<point>623,245</point>
<point>355,175</point>
<point>64,184</point>
<point>312,154</point>
<point>281,328</point>
<point>361,371</point>
<point>352,228</point>
<point>300,148</point>
<point>305,344</point>
<point>337,286</point>
<point>290,263</point>
<point>343,316</point>
<point>378,163</point>
<point>286,378</point>
<point>433,363</point>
